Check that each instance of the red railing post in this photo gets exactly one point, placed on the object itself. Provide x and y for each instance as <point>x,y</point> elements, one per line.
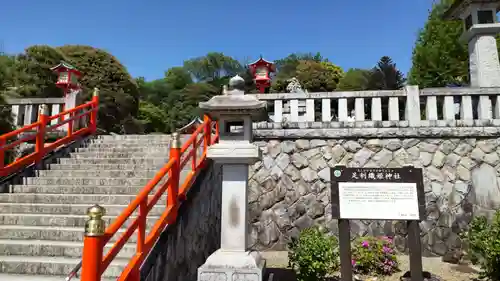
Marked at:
<point>40,134</point>
<point>94,108</point>
<point>3,142</point>
<point>93,244</point>
<point>174,174</point>
<point>207,134</point>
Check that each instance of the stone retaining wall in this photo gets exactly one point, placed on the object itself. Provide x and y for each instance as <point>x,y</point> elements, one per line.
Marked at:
<point>289,188</point>
<point>185,245</point>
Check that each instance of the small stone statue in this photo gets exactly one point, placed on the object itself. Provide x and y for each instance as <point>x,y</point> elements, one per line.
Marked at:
<point>294,86</point>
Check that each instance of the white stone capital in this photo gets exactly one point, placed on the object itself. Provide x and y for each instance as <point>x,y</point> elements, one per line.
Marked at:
<point>234,152</point>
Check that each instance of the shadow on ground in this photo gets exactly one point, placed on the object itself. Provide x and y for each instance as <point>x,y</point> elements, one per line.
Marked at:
<point>285,274</point>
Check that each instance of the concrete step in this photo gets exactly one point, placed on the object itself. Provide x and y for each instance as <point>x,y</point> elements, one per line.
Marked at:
<point>77,189</point>
<point>58,266</point>
<point>130,167</point>
<point>124,145</point>
<point>134,141</point>
<point>68,209</point>
<point>134,137</point>
<point>33,232</point>
<point>105,199</point>
<point>29,277</point>
<point>61,220</point>
<point>95,173</point>
<point>144,155</point>
<point>136,149</point>
<point>54,248</point>
<point>137,161</point>
<point>85,181</point>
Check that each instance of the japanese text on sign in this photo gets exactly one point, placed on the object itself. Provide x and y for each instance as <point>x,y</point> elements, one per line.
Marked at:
<point>375,175</point>
<point>378,200</point>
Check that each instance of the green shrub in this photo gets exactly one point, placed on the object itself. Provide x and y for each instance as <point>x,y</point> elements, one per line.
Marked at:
<point>372,255</point>
<point>313,255</point>
<point>483,239</point>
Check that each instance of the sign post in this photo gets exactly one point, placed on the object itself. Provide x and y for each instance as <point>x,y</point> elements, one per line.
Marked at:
<point>378,194</point>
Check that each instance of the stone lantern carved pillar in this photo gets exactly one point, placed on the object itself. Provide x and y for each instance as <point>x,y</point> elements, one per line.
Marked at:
<point>480,30</point>
<point>235,152</point>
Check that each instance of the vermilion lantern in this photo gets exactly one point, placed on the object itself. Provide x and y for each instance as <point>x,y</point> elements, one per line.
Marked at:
<point>261,70</point>
<point>67,76</point>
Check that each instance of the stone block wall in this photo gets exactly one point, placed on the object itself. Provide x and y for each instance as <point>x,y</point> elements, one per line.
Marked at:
<point>289,188</point>
<point>185,245</point>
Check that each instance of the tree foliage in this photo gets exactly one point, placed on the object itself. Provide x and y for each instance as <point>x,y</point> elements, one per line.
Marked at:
<point>119,93</point>
<point>355,79</point>
<point>385,76</point>
<point>33,75</point>
<point>439,58</point>
<point>315,73</point>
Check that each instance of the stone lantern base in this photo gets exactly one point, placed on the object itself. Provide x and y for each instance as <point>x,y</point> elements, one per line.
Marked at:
<point>232,266</point>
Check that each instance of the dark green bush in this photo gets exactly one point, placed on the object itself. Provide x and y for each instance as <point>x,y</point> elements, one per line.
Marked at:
<point>313,255</point>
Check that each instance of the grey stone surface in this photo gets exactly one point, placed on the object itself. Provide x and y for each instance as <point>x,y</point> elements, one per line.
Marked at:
<point>460,177</point>
<point>42,217</point>
<point>185,245</point>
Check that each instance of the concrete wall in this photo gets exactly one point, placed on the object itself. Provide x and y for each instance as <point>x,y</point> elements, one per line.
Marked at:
<point>289,188</point>
<point>184,246</point>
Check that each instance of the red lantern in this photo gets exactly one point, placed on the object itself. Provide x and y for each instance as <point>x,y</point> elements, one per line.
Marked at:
<point>261,70</point>
<point>67,76</point>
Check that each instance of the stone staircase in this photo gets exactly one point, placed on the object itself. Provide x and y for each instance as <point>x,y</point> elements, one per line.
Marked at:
<point>42,220</point>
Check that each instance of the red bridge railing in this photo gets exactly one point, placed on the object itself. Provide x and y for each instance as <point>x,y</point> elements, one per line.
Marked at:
<point>94,260</point>
<point>39,132</point>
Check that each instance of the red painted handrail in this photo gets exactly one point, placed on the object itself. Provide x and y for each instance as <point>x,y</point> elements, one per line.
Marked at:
<point>95,262</point>
<point>41,128</point>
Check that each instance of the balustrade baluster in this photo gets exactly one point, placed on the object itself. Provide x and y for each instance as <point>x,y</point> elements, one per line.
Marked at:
<point>448,108</point>
<point>466,108</point>
<point>431,112</point>
<point>278,111</point>
<point>359,109</point>
<point>342,110</point>
<point>326,110</point>
<point>376,109</point>
<point>484,108</point>
<point>310,116</point>
<point>393,109</point>
<point>294,110</point>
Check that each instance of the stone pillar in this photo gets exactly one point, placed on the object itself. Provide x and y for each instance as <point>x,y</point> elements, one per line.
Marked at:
<point>481,28</point>
<point>235,152</point>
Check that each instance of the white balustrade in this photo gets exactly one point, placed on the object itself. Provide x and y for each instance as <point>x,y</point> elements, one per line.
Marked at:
<point>420,107</point>
<point>25,111</point>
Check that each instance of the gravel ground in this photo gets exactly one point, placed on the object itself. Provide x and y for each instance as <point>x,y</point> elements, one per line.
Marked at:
<point>434,265</point>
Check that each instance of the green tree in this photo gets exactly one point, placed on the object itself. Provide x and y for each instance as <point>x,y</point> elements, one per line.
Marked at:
<point>33,75</point>
<point>355,79</point>
<point>178,78</point>
<point>439,58</point>
<point>385,76</point>
<point>315,73</point>
<point>212,67</point>
<point>153,118</point>
<point>318,76</point>
<point>119,92</point>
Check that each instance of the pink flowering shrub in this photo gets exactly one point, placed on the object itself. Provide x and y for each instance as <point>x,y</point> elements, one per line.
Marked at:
<point>374,255</point>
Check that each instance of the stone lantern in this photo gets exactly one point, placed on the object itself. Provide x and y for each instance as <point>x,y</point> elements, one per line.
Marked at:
<point>480,29</point>
<point>235,152</point>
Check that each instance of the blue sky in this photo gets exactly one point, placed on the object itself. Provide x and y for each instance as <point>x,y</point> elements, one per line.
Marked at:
<point>149,36</point>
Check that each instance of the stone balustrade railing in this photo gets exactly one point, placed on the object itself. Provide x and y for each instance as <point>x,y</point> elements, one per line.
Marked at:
<point>410,107</point>
<point>25,110</point>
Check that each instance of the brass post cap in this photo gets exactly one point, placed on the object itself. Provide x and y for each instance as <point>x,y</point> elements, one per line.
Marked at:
<point>95,225</point>
<point>176,140</point>
<point>96,212</point>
